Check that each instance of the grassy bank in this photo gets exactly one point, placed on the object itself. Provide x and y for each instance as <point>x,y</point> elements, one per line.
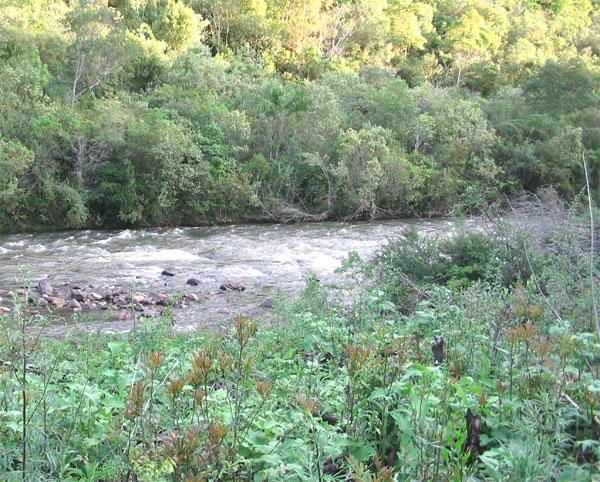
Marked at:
<point>437,360</point>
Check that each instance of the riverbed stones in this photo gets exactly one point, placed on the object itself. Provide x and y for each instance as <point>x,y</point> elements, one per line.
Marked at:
<point>139,298</point>
<point>54,300</point>
<point>192,296</point>
<point>96,296</point>
<point>74,305</point>
<point>233,285</point>
<point>157,298</point>
<point>122,315</point>
<point>4,309</point>
<point>268,303</point>
<point>77,295</point>
<point>168,272</point>
<point>45,288</point>
<point>192,282</point>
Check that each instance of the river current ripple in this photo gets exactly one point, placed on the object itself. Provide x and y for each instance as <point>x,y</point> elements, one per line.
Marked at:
<point>267,258</point>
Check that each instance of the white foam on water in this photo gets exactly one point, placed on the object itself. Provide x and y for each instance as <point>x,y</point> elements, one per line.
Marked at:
<point>37,248</point>
<point>16,243</point>
<point>125,234</point>
<point>241,272</point>
<point>161,255</point>
<point>3,250</point>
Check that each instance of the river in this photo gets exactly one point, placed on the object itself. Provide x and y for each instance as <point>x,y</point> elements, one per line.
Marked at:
<point>266,258</point>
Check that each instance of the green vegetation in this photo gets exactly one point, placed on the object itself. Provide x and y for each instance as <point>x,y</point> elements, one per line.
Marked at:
<point>161,112</point>
<point>330,390</point>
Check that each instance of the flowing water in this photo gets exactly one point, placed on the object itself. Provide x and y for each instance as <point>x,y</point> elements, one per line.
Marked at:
<point>266,258</point>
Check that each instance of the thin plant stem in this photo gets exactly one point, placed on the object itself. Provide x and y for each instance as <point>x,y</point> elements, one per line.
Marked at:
<point>592,284</point>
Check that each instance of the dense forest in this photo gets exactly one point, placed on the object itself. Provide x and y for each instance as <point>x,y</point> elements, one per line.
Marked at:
<point>161,112</point>
<point>471,354</point>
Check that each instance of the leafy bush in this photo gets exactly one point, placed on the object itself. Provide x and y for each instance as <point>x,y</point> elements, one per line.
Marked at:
<point>326,391</point>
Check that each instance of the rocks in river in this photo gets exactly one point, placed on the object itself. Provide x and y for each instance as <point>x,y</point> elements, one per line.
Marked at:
<point>224,311</point>
<point>120,300</point>
<point>139,298</point>
<point>232,284</point>
<point>192,282</point>
<point>54,300</point>
<point>96,296</point>
<point>77,295</point>
<point>155,298</point>
<point>168,272</point>
<point>45,288</point>
<point>268,303</point>
<point>4,309</point>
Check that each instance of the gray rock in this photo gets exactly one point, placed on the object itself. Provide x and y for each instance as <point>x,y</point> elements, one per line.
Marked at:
<point>192,282</point>
<point>45,288</point>
<point>54,300</point>
<point>157,298</point>
<point>96,296</point>
<point>77,295</point>
<point>74,305</point>
<point>232,284</point>
<point>268,303</point>
<point>167,272</point>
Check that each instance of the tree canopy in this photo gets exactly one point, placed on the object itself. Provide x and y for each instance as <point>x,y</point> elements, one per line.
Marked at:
<point>152,112</point>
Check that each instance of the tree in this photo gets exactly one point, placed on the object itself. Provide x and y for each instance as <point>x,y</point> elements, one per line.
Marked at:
<point>360,154</point>
<point>474,34</point>
<point>411,23</point>
<point>98,46</point>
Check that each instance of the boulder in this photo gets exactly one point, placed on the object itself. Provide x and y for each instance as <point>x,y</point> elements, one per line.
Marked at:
<point>192,296</point>
<point>74,305</point>
<point>55,300</point>
<point>77,295</point>
<point>268,303</point>
<point>102,305</point>
<point>232,284</point>
<point>45,288</point>
<point>223,311</point>
<point>122,315</point>
<point>167,272</point>
<point>96,296</point>
<point>139,298</point>
<point>192,282</point>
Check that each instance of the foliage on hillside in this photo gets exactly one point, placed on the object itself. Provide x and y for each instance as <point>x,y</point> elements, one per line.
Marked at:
<point>463,372</point>
<point>159,112</point>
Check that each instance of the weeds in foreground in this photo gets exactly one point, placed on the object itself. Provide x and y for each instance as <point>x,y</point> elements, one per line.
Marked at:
<point>478,379</point>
